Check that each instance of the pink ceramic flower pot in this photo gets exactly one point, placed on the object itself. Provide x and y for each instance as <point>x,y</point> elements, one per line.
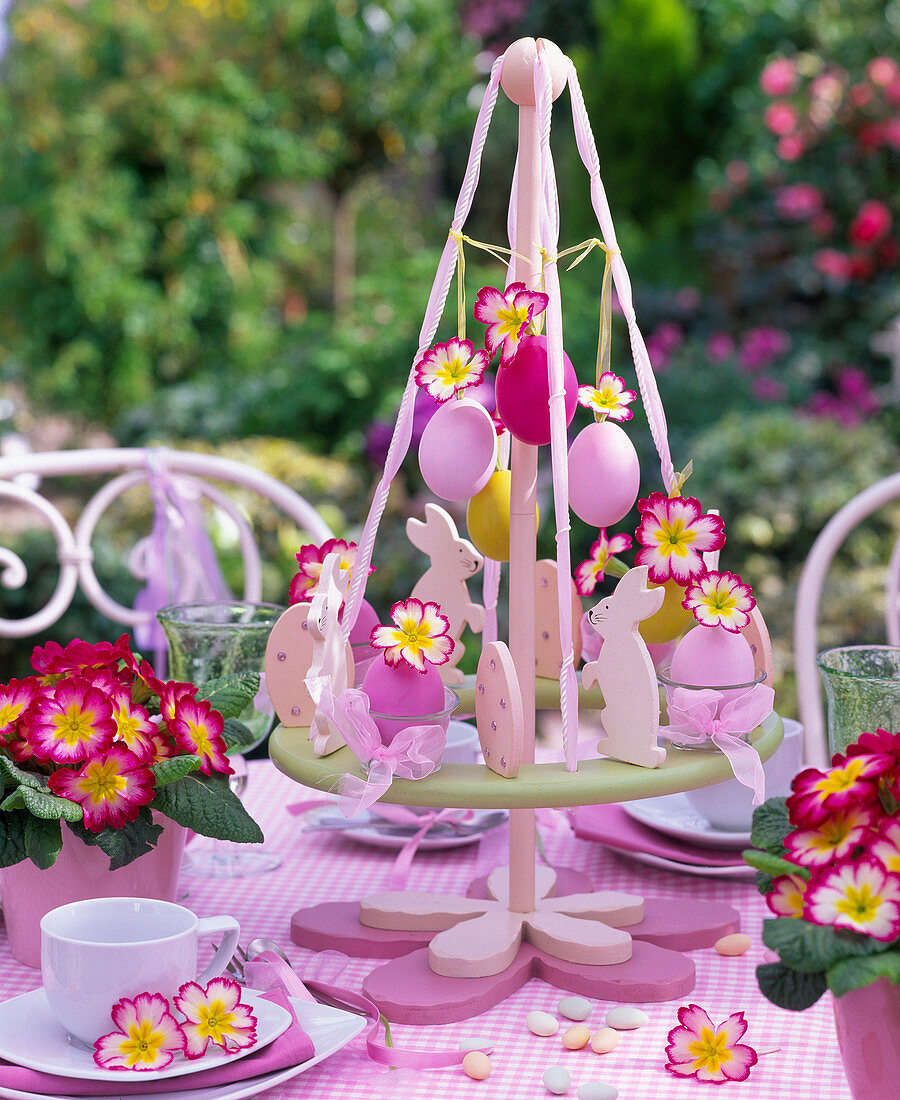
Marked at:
<point>868,1030</point>
<point>81,872</point>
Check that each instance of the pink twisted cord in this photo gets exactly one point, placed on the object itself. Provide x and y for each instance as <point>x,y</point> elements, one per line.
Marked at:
<point>587,149</point>
<point>437,299</point>
<point>568,684</point>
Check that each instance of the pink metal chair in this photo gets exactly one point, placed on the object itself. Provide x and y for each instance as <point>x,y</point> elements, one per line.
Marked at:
<point>178,481</point>
<point>806,613</point>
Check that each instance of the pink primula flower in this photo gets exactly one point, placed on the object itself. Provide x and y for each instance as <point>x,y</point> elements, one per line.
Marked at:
<point>871,224</point>
<point>861,896</point>
<point>887,847</point>
<point>448,369</point>
<point>673,534</point>
<point>215,1015</point>
<point>779,77</point>
<point>133,725</point>
<point>78,656</point>
<point>197,728</point>
<point>609,398</point>
<point>710,1052</point>
<point>507,314</point>
<point>111,788</point>
<point>420,634</point>
<point>786,898</point>
<point>780,118</point>
<point>310,558</point>
<point>590,572</point>
<point>832,839</point>
<point>15,699</point>
<point>816,794</point>
<point>72,724</point>
<point>720,599</point>
<point>148,1035</point>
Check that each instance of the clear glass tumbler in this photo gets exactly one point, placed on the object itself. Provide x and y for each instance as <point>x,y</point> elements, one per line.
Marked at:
<point>862,686</point>
<point>209,639</point>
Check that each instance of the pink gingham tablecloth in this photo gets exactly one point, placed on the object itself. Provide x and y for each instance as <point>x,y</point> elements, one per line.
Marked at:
<point>323,866</point>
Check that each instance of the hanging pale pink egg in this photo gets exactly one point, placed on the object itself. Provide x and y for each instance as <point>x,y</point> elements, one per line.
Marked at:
<point>604,474</point>
<point>711,656</point>
<point>523,392</point>
<point>458,449</point>
<point>366,621</point>
<point>403,692</point>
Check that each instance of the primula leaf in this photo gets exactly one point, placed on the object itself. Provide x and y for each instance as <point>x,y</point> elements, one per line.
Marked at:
<point>230,695</point>
<point>773,865</point>
<point>764,882</point>
<point>49,806</point>
<point>206,804</point>
<point>12,837</point>
<point>850,974</point>
<point>13,801</point>
<point>788,988</point>
<point>20,775</point>
<point>770,825</point>
<point>123,845</point>
<point>237,735</point>
<point>43,840</point>
<point>174,767</point>
<point>813,947</point>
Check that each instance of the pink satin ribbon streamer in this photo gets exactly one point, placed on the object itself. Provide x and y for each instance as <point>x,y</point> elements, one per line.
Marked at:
<point>698,714</point>
<point>413,753</point>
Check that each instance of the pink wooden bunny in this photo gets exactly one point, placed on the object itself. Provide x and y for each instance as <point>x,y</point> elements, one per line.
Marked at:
<point>329,666</point>
<point>625,674</point>
<point>453,561</point>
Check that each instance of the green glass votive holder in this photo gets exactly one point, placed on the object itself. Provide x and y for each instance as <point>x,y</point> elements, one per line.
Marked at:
<point>862,687</point>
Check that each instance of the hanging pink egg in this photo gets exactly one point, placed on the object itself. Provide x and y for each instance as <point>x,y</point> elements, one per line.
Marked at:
<point>523,392</point>
<point>403,692</point>
<point>366,621</point>
<point>458,449</point>
<point>604,474</point>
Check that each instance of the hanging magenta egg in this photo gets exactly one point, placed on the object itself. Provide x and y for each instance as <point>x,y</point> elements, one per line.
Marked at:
<point>523,392</point>
<point>604,474</point>
<point>458,449</point>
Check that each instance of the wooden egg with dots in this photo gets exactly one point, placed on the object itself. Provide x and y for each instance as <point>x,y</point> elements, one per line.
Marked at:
<point>547,648</point>
<point>498,710</point>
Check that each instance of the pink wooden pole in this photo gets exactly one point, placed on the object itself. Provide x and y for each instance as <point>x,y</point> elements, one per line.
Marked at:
<point>517,81</point>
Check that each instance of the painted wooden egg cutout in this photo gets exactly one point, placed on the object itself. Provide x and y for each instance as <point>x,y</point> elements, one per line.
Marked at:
<point>498,710</point>
<point>604,474</point>
<point>458,449</point>
<point>523,392</point>
<point>547,649</point>
<point>289,654</point>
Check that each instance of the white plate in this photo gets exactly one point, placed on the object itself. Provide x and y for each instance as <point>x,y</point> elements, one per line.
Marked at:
<point>31,1036</point>
<point>741,871</point>
<point>673,815</point>
<point>378,839</point>
<point>329,1028</point>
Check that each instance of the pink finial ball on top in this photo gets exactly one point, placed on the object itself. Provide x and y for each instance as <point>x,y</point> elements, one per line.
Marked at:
<point>517,72</point>
<point>401,691</point>
<point>523,392</point>
<point>604,474</point>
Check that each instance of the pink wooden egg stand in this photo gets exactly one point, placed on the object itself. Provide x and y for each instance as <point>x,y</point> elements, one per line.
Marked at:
<point>521,921</point>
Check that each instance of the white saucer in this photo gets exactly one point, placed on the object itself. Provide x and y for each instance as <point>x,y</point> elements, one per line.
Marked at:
<point>673,815</point>
<point>31,1036</point>
<point>738,871</point>
<point>378,839</point>
<point>329,1028</point>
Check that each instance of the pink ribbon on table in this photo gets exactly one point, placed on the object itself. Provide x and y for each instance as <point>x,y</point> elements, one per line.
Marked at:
<point>698,714</point>
<point>412,754</point>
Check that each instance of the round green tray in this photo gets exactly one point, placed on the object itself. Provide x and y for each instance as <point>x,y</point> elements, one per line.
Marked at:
<point>474,786</point>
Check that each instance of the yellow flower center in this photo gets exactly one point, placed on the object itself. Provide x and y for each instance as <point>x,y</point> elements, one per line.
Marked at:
<point>674,538</point>
<point>142,1045</point>
<point>710,1050</point>
<point>200,737</point>
<point>215,1021</point>
<point>860,905</point>
<point>74,726</point>
<point>512,319</point>
<point>453,372</point>
<point>840,779</point>
<point>10,712</point>
<point>102,782</point>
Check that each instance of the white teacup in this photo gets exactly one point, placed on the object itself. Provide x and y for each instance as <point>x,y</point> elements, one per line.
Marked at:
<point>729,806</point>
<point>462,742</point>
<point>95,952</point>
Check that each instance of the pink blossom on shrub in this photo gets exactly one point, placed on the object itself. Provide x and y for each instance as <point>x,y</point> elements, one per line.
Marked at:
<point>760,346</point>
<point>891,133</point>
<point>882,71</point>
<point>822,224</point>
<point>829,86</point>
<point>872,222</point>
<point>860,95</point>
<point>662,342</point>
<point>892,92</point>
<point>790,147</point>
<point>798,202</point>
<point>737,172</point>
<point>779,77</point>
<point>766,388</point>
<point>852,404</point>
<point>834,264</point>
<point>719,347</point>
<point>780,118</point>
<point>871,136</point>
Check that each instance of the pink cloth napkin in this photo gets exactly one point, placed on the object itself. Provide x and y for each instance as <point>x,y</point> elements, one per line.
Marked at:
<point>612,826</point>
<point>289,1049</point>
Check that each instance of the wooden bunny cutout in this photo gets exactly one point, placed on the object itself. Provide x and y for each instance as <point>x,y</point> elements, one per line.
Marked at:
<point>453,561</point>
<point>329,666</point>
<point>625,674</point>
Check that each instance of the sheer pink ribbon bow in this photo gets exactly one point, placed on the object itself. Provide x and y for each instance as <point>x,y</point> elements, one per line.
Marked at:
<point>413,753</point>
<point>696,714</point>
